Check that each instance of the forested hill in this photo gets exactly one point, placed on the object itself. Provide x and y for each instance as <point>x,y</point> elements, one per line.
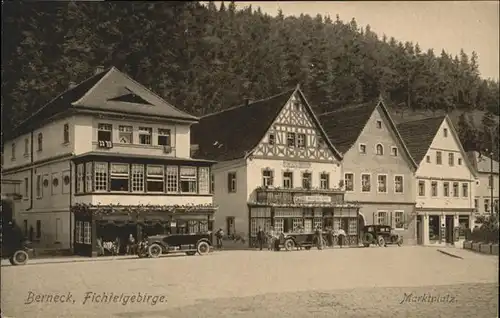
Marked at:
<point>204,58</point>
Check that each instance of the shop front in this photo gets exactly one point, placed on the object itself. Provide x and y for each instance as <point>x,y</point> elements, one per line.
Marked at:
<point>293,210</point>
<point>443,227</point>
<point>114,223</point>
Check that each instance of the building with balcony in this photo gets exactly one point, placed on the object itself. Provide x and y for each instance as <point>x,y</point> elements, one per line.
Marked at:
<point>379,171</point>
<point>446,180</point>
<point>105,159</point>
<point>487,183</point>
<point>276,167</point>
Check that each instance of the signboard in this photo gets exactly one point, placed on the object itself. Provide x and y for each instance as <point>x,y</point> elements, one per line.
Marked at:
<point>173,224</point>
<point>312,199</point>
<point>296,164</point>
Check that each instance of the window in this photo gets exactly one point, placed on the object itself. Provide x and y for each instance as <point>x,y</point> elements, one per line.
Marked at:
<point>38,186</point>
<point>188,180</point>
<point>438,157</point>
<point>155,180</point>
<point>301,140</point>
<point>125,134</point>
<point>66,134</point>
<point>79,178</point>
<point>26,146</point>
<point>290,138</point>
<point>296,105</point>
<point>104,132</point>
<point>446,189</point>
<point>476,204</point>
<point>306,180</point>
<point>66,182</point>
<point>349,181</point>
<point>13,155</point>
<point>398,184</point>
<point>87,233</point>
<point>26,188</point>
<point>459,161</point>
<point>267,178</point>
<point>212,183</point>
<point>172,179</point>
<point>204,180</point>
<point>164,137</point>
<point>455,189</point>
<point>137,178</point>
<point>88,176</point>
<point>287,180</point>
<point>445,132</point>
<point>231,182</point>
<point>465,190</point>
<point>379,124</point>
<point>394,151</point>
<point>380,149</point>
<point>434,188</point>
<point>38,229</point>
<point>382,183</point>
<point>145,135</point>
<point>101,176</point>
<point>324,180</point>
<point>78,232</point>
<point>382,218</point>
<point>451,159</point>
<point>55,183</point>
<point>40,142</point>
<point>421,188</point>
<point>399,220</point>
<point>486,205</point>
<point>362,148</point>
<point>119,177</point>
<point>272,139</point>
<point>428,159</point>
<point>365,182</point>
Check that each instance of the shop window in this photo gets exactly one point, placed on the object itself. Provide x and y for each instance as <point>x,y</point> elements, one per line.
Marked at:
<point>463,222</point>
<point>155,179</point>
<point>434,226</point>
<point>119,177</point>
<point>87,233</point>
<point>101,176</point>
<point>79,232</point>
<point>172,179</point>
<point>137,178</point>
<point>188,180</point>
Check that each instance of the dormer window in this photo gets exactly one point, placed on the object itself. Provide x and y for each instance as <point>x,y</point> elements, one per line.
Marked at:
<point>290,139</point>
<point>164,138</point>
<point>379,124</point>
<point>40,142</point>
<point>66,134</point>
<point>380,150</point>
<point>445,132</point>
<point>271,139</point>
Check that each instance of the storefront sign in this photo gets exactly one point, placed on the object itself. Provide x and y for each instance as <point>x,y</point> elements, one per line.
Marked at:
<point>173,224</point>
<point>296,164</point>
<point>312,199</point>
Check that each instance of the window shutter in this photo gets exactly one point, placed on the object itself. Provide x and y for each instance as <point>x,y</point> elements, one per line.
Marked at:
<point>393,225</point>
<point>375,218</point>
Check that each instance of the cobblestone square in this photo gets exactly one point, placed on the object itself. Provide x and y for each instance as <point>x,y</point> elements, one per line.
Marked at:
<point>370,282</point>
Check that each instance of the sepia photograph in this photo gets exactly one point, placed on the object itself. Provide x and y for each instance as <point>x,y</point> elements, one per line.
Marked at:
<point>284,159</point>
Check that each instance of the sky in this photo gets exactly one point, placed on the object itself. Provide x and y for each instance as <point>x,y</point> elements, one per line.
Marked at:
<point>448,25</point>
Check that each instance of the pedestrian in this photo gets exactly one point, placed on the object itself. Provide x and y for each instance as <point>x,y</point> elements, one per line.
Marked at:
<point>261,236</point>
<point>341,235</point>
<point>219,235</point>
<point>329,236</point>
<point>319,237</point>
<point>131,245</point>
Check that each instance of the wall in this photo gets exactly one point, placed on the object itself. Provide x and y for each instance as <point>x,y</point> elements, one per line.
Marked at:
<point>483,191</point>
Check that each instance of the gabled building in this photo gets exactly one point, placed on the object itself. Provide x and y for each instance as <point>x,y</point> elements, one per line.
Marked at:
<point>276,167</point>
<point>445,180</point>
<point>107,158</point>
<point>487,184</point>
<point>379,172</point>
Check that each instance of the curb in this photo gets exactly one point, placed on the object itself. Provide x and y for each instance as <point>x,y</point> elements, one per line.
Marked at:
<point>450,254</point>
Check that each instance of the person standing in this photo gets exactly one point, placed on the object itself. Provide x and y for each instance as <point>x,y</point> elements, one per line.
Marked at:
<point>341,235</point>
<point>131,245</point>
<point>261,236</point>
<point>219,235</point>
<point>329,236</point>
<point>319,238</point>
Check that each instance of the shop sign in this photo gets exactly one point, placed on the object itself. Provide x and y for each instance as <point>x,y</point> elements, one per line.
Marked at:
<point>296,164</point>
<point>173,224</point>
<point>312,199</point>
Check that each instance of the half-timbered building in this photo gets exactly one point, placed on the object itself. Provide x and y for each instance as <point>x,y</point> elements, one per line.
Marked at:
<point>105,159</point>
<point>276,167</point>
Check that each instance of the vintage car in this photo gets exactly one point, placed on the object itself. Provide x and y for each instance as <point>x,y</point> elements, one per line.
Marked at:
<point>176,243</point>
<point>380,235</point>
<point>14,246</point>
<point>291,241</point>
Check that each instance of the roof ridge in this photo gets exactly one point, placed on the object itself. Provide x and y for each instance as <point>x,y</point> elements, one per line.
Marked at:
<point>442,117</point>
<point>252,102</point>
<point>352,106</point>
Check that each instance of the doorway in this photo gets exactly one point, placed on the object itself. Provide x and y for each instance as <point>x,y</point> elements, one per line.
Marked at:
<point>449,229</point>
<point>419,230</point>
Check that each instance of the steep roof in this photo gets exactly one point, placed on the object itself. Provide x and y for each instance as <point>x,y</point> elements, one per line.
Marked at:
<point>482,163</point>
<point>109,90</point>
<point>419,134</point>
<point>232,133</point>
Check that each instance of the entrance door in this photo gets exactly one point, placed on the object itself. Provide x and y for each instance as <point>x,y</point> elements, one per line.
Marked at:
<point>419,230</point>
<point>449,229</point>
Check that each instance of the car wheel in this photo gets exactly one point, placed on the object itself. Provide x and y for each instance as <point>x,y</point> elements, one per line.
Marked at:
<point>400,241</point>
<point>154,250</point>
<point>289,245</point>
<point>191,253</point>
<point>380,241</point>
<point>203,248</point>
<point>19,258</point>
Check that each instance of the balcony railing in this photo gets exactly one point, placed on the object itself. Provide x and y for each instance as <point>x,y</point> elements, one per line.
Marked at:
<point>298,196</point>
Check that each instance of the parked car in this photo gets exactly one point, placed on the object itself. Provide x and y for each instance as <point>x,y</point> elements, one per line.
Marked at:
<point>380,235</point>
<point>14,246</point>
<point>290,241</point>
<point>177,243</point>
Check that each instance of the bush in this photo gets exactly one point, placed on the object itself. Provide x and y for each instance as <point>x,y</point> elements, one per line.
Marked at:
<point>488,232</point>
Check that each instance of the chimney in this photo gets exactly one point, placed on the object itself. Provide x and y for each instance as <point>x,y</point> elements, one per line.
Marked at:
<point>71,84</point>
<point>98,69</point>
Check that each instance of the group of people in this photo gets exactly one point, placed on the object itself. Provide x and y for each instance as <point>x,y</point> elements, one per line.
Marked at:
<point>272,237</point>
<point>113,247</point>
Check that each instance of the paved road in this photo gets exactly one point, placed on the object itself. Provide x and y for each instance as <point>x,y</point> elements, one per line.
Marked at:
<point>369,282</point>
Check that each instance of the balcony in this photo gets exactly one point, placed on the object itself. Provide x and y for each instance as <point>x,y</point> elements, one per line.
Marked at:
<point>267,196</point>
